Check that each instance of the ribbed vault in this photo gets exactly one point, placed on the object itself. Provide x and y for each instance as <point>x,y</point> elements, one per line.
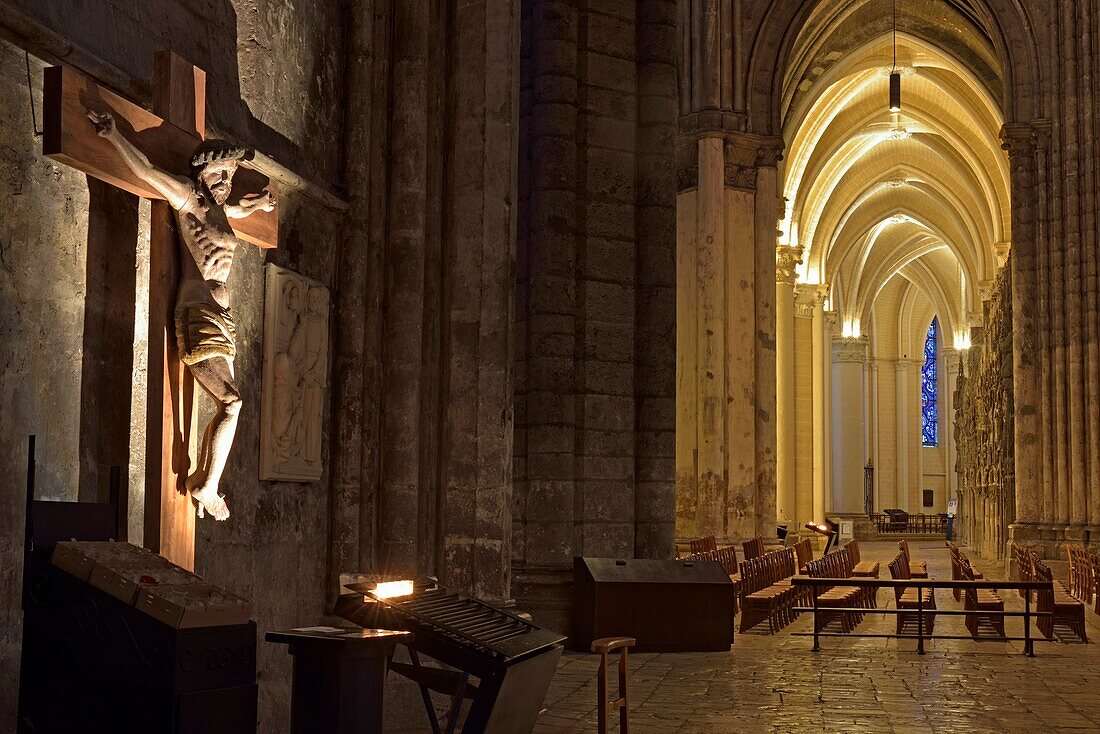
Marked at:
<point>870,194</point>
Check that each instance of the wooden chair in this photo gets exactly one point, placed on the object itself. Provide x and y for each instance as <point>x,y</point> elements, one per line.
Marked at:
<point>603,647</point>
<point>836,565</point>
<point>956,569</point>
<point>753,548</point>
<point>917,569</point>
<point>907,598</point>
<point>861,569</point>
<point>1021,557</point>
<point>727,556</point>
<point>704,544</point>
<point>804,550</point>
<point>1066,609</point>
<point>1082,583</point>
<point>1094,561</point>
<point>766,591</point>
<point>980,600</point>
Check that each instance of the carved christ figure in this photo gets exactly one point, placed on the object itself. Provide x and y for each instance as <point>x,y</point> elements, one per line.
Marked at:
<point>205,328</point>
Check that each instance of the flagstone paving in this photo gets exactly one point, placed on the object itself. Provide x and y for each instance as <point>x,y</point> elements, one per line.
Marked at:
<point>775,684</point>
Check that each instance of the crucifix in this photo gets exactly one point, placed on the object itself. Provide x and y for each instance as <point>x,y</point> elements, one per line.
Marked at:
<point>163,156</point>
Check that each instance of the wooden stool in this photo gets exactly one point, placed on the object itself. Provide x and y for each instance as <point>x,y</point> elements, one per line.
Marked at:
<point>603,646</point>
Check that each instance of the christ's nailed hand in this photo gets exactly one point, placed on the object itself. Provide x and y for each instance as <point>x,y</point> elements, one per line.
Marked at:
<point>103,122</point>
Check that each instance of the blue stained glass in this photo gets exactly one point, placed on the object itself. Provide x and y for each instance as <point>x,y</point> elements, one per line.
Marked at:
<point>929,387</point>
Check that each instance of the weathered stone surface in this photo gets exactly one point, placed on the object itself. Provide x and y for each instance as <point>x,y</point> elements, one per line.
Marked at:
<point>984,419</point>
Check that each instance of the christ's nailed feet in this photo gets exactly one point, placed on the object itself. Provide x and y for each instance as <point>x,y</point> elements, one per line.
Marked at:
<point>210,501</point>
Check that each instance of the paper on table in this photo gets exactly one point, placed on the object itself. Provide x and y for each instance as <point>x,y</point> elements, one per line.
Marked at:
<point>317,629</point>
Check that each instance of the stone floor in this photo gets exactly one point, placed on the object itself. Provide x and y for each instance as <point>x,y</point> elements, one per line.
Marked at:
<point>776,684</point>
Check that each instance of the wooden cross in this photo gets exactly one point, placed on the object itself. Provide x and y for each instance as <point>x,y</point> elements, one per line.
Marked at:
<point>168,136</point>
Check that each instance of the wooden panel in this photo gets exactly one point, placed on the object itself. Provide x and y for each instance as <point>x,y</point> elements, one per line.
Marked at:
<point>169,514</point>
<point>70,138</point>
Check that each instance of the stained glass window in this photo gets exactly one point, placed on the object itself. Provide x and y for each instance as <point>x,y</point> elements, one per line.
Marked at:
<point>928,387</point>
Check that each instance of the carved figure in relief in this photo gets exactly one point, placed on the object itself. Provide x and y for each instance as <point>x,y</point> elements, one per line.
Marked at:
<point>205,328</point>
<point>287,398</point>
<point>313,371</point>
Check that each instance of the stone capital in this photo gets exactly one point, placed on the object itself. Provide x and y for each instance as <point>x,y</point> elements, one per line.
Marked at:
<point>787,259</point>
<point>1018,138</point>
<point>852,349</point>
<point>808,297</point>
<point>903,365</point>
<point>709,123</point>
<point>952,359</point>
<point>740,177</point>
<point>744,153</point>
<point>687,178</point>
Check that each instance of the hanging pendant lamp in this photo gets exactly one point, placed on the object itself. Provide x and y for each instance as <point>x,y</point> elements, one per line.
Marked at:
<point>895,76</point>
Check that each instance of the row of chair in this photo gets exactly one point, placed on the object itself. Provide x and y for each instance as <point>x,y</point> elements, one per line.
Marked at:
<point>838,565</point>
<point>911,598</point>
<point>1084,575</point>
<point>977,600</point>
<point>1064,608</point>
<point>766,592</point>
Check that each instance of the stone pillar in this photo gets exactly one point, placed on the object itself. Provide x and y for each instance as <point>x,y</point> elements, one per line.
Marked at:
<point>821,341</point>
<point>478,300</point>
<point>804,298</point>
<point>831,333</point>
<point>876,444</point>
<point>785,276</point>
<point>849,457</point>
<point>655,302</point>
<point>1018,140</point>
<point>902,382</point>
<point>549,296</point>
<point>726,213</point>
<point>953,362</point>
<point>403,365</point>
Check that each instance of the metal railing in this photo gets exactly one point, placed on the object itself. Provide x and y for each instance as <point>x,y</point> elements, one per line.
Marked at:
<point>921,611</point>
<point>924,524</point>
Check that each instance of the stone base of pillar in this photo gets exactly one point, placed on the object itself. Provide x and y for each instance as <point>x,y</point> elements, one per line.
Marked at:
<point>1077,534</point>
<point>546,594</point>
<point>1024,532</point>
<point>1093,539</point>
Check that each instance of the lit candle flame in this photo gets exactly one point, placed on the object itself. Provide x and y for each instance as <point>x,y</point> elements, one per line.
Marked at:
<point>391,589</point>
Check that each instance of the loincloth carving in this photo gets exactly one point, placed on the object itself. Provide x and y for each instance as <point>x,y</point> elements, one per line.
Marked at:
<point>204,331</point>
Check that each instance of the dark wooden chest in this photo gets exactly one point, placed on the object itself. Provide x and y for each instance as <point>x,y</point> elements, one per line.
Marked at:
<point>665,605</point>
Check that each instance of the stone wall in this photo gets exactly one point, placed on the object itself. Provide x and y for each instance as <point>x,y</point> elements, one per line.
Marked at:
<point>72,288</point>
<point>595,370</point>
<point>984,413</point>
<point>43,240</point>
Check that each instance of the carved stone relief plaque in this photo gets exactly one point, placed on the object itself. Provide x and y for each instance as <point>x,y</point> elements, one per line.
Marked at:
<point>295,376</point>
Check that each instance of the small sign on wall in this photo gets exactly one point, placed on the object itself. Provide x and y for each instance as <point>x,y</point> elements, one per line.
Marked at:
<point>929,498</point>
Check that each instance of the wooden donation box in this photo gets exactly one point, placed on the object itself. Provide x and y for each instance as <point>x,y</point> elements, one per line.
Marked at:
<point>667,606</point>
<point>116,638</point>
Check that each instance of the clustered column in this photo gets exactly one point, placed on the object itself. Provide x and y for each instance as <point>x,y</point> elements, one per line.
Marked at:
<point>726,219</point>
<point>1055,310</point>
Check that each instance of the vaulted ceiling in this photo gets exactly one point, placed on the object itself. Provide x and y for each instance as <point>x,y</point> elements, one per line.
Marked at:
<point>872,194</point>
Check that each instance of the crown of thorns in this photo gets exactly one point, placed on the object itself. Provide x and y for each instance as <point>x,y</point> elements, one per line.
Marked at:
<point>217,151</point>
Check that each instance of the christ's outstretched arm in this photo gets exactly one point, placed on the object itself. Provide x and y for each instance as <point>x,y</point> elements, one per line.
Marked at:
<point>175,189</point>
